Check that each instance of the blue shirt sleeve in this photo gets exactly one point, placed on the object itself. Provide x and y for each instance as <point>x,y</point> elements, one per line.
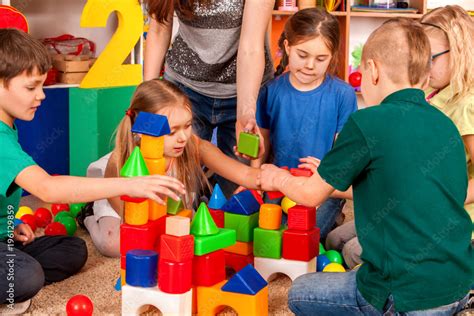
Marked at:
<point>262,116</point>
<point>347,106</point>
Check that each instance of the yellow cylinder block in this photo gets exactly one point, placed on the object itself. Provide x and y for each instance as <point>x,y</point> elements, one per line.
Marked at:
<point>270,216</point>
<point>152,147</point>
<point>156,166</point>
<point>136,213</point>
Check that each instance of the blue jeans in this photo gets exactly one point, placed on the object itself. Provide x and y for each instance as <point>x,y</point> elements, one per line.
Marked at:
<point>336,294</point>
<point>209,113</point>
<point>326,214</point>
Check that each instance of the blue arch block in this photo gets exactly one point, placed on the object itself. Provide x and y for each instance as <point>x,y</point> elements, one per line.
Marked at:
<point>243,203</point>
<point>141,268</point>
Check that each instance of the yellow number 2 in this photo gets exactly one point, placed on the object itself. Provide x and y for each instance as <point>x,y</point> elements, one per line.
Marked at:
<point>108,70</point>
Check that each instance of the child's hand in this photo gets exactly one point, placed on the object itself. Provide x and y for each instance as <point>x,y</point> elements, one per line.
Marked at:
<point>272,178</point>
<point>310,163</point>
<point>24,234</point>
<point>155,186</point>
<point>250,127</point>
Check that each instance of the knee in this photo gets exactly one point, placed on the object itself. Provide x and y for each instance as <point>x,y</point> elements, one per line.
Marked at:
<point>79,255</point>
<point>351,253</point>
<point>29,281</point>
<point>109,247</point>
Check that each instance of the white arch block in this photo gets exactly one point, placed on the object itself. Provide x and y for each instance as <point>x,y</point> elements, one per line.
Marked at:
<point>268,267</point>
<point>134,298</point>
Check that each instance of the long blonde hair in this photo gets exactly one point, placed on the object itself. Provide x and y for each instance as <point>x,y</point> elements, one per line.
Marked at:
<point>154,96</point>
<point>458,27</point>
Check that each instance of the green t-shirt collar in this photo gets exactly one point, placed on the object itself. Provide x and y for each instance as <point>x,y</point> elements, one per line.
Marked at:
<point>410,95</point>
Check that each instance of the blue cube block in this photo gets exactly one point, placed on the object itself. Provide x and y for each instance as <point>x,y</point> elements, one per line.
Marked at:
<point>141,268</point>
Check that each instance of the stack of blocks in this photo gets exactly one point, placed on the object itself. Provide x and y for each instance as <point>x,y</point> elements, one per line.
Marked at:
<point>241,215</point>
<point>290,251</point>
<point>246,292</point>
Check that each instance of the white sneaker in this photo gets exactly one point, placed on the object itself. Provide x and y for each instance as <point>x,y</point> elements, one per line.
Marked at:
<point>15,309</point>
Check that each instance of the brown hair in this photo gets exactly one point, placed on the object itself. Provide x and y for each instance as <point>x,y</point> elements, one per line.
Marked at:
<point>458,27</point>
<point>19,52</point>
<point>305,25</point>
<point>161,10</point>
<point>155,96</point>
<point>406,57</point>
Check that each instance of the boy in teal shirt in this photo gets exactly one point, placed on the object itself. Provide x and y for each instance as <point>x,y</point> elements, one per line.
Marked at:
<point>405,161</point>
<point>26,262</point>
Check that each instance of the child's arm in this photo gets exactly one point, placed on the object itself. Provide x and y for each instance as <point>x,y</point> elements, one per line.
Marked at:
<point>310,191</point>
<point>69,189</point>
<point>157,44</point>
<point>231,169</point>
<point>265,134</point>
<point>111,171</point>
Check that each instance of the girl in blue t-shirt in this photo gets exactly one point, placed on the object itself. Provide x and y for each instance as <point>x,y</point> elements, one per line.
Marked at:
<point>302,110</point>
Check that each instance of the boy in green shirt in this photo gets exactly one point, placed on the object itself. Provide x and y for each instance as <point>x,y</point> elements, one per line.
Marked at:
<point>26,262</point>
<point>405,161</point>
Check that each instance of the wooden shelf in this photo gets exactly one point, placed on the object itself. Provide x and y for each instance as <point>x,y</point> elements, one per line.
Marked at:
<point>385,15</point>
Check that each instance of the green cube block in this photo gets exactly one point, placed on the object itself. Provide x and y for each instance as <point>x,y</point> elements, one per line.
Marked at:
<point>267,243</point>
<point>173,207</point>
<point>206,244</point>
<point>93,117</point>
<point>248,144</point>
<point>242,224</point>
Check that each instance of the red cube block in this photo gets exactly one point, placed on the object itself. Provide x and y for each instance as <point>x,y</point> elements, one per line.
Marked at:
<point>209,269</point>
<point>237,262</point>
<point>301,172</point>
<point>175,277</point>
<point>218,217</point>
<point>301,217</point>
<point>300,245</point>
<point>145,237</point>
<point>177,248</point>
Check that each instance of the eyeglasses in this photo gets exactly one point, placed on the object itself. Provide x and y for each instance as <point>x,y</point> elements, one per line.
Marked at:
<point>433,57</point>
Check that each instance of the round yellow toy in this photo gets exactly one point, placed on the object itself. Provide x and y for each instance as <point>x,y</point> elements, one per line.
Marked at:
<point>286,204</point>
<point>334,267</point>
<point>22,211</point>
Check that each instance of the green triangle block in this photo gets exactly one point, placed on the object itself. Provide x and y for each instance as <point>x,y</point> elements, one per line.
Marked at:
<point>135,165</point>
<point>203,224</point>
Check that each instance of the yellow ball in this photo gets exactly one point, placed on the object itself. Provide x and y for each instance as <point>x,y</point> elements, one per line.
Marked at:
<point>334,267</point>
<point>286,204</point>
<point>22,211</point>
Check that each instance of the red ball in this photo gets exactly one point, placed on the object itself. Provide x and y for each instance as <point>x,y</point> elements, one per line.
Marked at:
<point>30,220</point>
<point>56,208</point>
<point>54,229</point>
<point>79,305</point>
<point>43,217</point>
<point>355,79</point>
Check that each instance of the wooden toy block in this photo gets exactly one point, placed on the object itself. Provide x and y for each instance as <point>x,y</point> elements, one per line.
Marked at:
<point>217,198</point>
<point>156,210</point>
<point>156,165</point>
<point>268,268</point>
<point>209,269</point>
<point>237,262</point>
<point>173,207</point>
<point>142,268</point>
<point>177,249</point>
<point>301,172</point>
<point>267,243</point>
<point>144,237</point>
<point>270,216</point>
<point>177,225</point>
<point>203,224</point>
<point>153,147</point>
<point>248,144</point>
<point>241,248</point>
<point>136,299</point>
<point>218,217</point>
<point>175,277</point>
<point>207,244</point>
<point>102,109</point>
<point>301,217</point>
<point>242,203</point>
<point>136,213</point>
<point>211,299</point>
<point>246,281</point>
<point>242,224</point>
<point>300,245</point>
<point>186,213</point>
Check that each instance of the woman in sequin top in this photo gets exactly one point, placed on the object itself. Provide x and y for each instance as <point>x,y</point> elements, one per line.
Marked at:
<point>218,56</point>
